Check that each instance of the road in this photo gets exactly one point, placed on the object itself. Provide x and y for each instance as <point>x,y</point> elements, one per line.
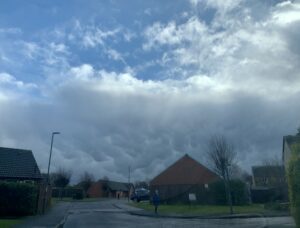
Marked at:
<point>105,214</point>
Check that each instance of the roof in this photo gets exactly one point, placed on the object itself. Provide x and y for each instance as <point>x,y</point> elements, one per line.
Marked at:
<point>291,139</point>
<point>186,171</point>
<point>268,171</point>
<point>18,164</point>
<point>116,186</point>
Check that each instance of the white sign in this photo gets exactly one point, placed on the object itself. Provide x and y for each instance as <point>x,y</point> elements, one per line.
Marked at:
<point>192,197</point>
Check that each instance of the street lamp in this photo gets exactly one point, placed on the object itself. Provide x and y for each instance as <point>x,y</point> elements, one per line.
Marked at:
<point>52,138</point>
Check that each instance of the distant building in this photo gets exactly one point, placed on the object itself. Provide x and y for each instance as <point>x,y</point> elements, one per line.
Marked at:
<point>288,142</point>
<point>107,188</point>
<point>269,184</point>
<point>184,179</point>
<point>18,165</point>
<point>268,175</point>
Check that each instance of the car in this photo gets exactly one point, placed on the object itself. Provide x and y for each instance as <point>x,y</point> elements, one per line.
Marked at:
<point>140,194</point>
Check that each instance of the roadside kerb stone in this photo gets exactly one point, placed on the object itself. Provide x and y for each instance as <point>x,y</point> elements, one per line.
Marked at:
<point>142,212</point>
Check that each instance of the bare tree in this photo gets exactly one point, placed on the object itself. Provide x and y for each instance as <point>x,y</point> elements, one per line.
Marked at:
<point>275,161</point>
<point>141,184</point>
<point>222,155</point>
<point>86,181</point>
<point>61,179</point>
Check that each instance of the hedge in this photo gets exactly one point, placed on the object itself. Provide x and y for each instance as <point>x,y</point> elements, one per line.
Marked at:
<point>294,183</point>
<point>17,199</point>
<point>238,189</point>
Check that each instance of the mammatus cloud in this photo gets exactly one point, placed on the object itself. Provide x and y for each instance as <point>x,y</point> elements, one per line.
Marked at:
<point>236,75</point>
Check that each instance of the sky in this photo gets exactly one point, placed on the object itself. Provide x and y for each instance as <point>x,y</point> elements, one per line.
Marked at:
<point>141,83</point>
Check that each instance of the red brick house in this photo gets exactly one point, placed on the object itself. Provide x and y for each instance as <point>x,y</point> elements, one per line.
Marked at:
<point>107,188</point>
<point>182,179</point>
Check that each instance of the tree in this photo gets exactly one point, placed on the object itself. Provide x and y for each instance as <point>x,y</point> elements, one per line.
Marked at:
<point>141,184</point>
<point>275,161</point>
<point>222,155</point>
<point>298,133</point>
<point>61,179</point>
<point>86,181</point>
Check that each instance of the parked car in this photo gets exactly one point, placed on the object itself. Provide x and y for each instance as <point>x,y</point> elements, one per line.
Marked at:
<point>140,194</point>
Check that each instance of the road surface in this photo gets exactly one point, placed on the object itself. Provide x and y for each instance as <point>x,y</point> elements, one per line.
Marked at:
<point>106,214</point>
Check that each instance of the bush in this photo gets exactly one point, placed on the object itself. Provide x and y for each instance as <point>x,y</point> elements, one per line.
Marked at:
<point>275,206</point>
<point>78,195</point>
<point>67,192</point>
<point>238,192</point>
<point>294,183</point>
<point>17,199</point>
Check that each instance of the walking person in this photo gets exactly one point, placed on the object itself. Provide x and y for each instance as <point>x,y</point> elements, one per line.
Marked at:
<point>155,200</point>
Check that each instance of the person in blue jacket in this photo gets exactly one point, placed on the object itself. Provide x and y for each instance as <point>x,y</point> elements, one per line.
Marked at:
<point>155,200</point>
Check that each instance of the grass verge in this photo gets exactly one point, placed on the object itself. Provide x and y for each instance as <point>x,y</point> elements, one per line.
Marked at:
<point>201,209</point>
<point>7,223</point>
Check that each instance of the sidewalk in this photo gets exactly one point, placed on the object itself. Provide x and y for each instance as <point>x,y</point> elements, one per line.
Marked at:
<point>141,212</point>
<point>53,218</point>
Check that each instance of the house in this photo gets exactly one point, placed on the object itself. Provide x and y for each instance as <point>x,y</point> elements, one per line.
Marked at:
<point>18,165</point>
<point>269,183</point>
<point>288,142</point>
<point>107,188</point>
<point>183,180</point>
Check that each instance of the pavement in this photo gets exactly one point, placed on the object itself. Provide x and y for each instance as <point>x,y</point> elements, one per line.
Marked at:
<point>54,217</point>
<point>117,213</point>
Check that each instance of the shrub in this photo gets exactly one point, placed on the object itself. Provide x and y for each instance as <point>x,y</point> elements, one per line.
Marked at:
<point>294,183</point>
<point>78,195</point>
<point>276,206</point>
<point>17,199</point>
<point>238,192</point>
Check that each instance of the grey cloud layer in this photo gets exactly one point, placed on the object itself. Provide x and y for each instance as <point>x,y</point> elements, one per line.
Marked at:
<point>241,80</point>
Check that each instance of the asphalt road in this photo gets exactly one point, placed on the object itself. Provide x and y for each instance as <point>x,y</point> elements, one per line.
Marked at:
<point>105,214</point>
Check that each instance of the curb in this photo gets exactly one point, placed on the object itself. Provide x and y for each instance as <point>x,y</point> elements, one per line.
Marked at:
<point>237,216</point>
<point>63,221</point>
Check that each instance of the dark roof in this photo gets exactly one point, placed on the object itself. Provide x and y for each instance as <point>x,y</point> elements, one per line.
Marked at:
<point>187,171</point>
<point>116,186</point>
<point>18,164</point>
<point>291,139</point>
<point>268,171</point>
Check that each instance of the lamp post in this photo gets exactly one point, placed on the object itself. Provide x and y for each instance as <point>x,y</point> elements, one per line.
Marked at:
<point>47,186</point>
<point>52,138</point>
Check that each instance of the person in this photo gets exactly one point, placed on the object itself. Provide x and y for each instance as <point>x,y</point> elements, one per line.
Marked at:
<point>155,200</point>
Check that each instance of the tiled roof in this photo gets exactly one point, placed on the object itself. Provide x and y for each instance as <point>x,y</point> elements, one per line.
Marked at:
<point>268,171</point>
<point>18,164</point>
<point>117,186</point>
<point>290,139</point>
<point>185,171</point>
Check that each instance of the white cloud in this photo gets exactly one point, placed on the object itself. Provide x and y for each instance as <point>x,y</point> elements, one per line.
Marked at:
<point>7,79</point>
<point>11,31</point>
<point>287,13</point>
<point>240,54</point>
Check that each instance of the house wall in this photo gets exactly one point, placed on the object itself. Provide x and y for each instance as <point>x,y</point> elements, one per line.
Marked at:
<point>97,190</point>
